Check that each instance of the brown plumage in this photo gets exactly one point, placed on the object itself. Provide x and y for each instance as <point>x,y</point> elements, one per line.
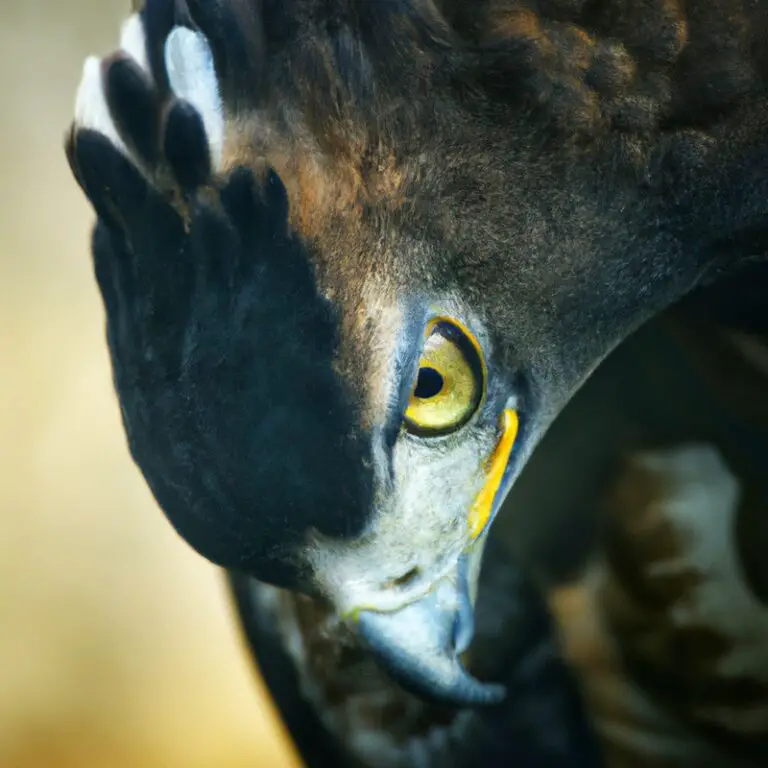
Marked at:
<point>384,124</point>
<point>284,219</point>
<point>667,624</point>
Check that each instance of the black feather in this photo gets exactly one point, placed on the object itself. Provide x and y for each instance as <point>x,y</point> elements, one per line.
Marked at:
<point>134,105</point>
<point>186,145</point>
<point>235,34</point>
<point>223,352</point>
<point>158,18</point>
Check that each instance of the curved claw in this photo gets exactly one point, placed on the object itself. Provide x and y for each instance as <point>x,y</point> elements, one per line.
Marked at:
<point>419,646</point>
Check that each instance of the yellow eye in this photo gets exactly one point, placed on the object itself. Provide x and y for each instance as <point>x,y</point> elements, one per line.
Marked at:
<point>450,381</point>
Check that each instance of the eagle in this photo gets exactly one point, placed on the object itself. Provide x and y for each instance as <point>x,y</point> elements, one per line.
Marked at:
<point>359,260</point>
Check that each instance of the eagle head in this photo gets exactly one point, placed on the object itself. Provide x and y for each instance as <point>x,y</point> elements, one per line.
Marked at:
<point>353,264</point>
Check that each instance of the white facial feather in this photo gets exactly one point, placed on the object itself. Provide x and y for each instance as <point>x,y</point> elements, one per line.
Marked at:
<point>420,523</point>
<point>419,520</point>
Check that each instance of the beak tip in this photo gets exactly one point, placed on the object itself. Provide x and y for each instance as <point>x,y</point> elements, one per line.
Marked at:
<point>428,672</point>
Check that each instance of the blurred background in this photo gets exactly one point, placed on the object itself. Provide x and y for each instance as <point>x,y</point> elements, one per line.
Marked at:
<point>118,646</point>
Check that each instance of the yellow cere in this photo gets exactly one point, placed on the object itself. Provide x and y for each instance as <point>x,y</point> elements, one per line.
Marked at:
<point>481,509</point>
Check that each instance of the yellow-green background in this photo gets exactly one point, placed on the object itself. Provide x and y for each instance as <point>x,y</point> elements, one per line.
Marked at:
<point>117,645</point>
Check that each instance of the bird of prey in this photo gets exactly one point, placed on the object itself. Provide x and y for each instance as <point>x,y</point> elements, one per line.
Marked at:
<point>356,256</point>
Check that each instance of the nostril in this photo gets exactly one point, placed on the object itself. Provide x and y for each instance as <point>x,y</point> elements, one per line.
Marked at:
<point>403,581</point>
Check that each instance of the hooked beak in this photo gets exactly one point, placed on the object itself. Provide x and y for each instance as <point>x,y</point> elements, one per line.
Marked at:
<point>420,644</point>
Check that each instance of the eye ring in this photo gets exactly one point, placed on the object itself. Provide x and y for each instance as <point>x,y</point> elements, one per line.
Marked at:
<point>450,382</point>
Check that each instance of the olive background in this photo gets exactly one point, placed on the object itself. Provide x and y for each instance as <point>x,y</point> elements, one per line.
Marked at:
<point>118,644</point>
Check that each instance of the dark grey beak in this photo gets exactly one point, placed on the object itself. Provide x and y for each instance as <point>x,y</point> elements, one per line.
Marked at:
<point>420,645</point>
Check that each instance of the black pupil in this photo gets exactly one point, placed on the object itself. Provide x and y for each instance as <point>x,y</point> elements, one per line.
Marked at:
<point>429,382</point>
